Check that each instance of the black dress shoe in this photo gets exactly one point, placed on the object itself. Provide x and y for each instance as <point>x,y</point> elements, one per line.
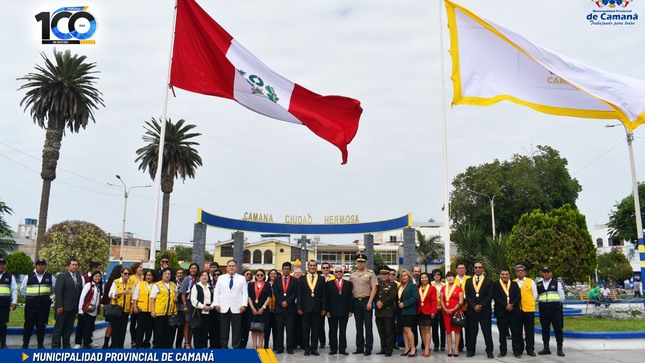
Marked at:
<point>443,349</point>
<point>279,351</point>
<point>388,354</point>
<point>307,353</point>
<point>518,355</point>
<point>315,352</point>
<point>470,354</point>
<point>380,352</point>
<point>501,355</point>
<point>322,345</point>
<point>289,351</point>
<point>544,352</point>
<point>491,355</point>
<point>531,354</point>
<point>358,352</point>
<point>332,352</point>
<point>344,352</point>
<point>367,353</point>
<point>436,349</point>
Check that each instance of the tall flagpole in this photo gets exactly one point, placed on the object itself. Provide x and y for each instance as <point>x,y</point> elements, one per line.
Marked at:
<point>444,129</point>
<point>162,140</point>
<point>637,203</point>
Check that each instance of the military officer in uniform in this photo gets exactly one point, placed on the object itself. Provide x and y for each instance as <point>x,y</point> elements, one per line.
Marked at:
<point>365,286</point>
<point>386,300</point>
<point>550,298</point>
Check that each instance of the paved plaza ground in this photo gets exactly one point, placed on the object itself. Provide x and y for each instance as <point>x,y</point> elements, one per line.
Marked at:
<point>581,351</point>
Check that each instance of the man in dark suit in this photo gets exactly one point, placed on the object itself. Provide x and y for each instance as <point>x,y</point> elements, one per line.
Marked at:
<point>311,294</point>
<point>508,313</point>
<point>338,304</point>
<point>68,291</point>
<point>164,262</point>
<point>285,292</point>
<point>479,294</point>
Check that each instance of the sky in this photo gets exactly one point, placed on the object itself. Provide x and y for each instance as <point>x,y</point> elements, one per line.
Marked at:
<point>387,54</point>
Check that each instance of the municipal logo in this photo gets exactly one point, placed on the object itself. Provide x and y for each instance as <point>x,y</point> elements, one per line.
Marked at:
<point>612,3</point>
<point>612,13</point>
<point>67,25</point>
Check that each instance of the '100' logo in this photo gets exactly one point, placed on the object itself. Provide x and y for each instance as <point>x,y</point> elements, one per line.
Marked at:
<point>68,25</point>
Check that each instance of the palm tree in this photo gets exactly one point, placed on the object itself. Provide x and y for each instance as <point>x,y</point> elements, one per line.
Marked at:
<point>180,159</point>
<point>61,95</point>
<point>470,245</point>
<point>428,248</point>
<point>495,255</point>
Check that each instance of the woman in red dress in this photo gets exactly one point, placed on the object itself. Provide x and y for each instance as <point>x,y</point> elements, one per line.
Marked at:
<point>426,311</point>
<point>452,298</point>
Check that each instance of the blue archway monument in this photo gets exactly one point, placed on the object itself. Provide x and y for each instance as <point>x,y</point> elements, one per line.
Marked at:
<point>205,219</point>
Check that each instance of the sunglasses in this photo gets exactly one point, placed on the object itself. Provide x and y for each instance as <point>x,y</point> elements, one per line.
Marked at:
<point>338,272</point>
<point>392,274</point>
<point>478,267</point>
<point>217,274</point>
<point>164,261</point>
<point>126,273</point>
<point>260,275</point>
<point>325,268</point>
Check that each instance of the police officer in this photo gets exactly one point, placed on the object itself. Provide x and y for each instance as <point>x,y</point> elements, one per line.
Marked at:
<point>365,286</point>
<point>386,300</point>
<point>550,298</point>
<point>37,289</point>
<point>8,300</point>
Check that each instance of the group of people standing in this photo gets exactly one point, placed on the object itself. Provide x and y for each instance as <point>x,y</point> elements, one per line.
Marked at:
<point>202,308</point>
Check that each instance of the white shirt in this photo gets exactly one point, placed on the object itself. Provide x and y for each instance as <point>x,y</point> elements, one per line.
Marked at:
<point>95,298</point>
<point>207,296</point>
<point>231,298</point>
<point>605,292</point>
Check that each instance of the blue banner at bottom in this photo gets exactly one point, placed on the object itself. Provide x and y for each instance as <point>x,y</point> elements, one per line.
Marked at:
<point>128,355</point>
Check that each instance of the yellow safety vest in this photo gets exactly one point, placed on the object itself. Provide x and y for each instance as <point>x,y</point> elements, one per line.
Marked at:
<point>165,300</point>
<point>143,302</point>
<point>527,303</point>
<point>123,300</point>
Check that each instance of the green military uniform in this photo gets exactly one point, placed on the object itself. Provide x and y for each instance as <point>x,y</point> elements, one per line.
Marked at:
<point>387,294</point>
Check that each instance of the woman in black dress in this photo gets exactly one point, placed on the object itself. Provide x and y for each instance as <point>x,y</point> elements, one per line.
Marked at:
<point>259,298</point>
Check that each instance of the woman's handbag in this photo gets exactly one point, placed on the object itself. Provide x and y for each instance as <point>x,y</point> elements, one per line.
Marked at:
<point>196,319</point>
<point>458,320</point>
<point>112,311</point>
<point>256,326</point>
<point>176,319</point>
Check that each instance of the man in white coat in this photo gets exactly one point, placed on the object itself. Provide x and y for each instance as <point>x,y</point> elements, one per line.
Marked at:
<point>230,300</point>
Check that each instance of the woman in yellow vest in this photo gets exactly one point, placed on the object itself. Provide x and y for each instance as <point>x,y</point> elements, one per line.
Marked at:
<point>136,278</point>
<point>121,295</point>
<point>163,300</point>
<point>141,302</point>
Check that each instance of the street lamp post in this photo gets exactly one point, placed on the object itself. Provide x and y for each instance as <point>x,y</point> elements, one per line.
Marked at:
<point>492,204</point>
<point>126,192</point>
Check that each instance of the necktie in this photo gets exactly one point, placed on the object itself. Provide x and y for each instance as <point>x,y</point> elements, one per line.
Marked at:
<point>477,279</point>
<point>285,280</point>
<point>230,283</point>
<point>74,278</point>
<point>312,277</point>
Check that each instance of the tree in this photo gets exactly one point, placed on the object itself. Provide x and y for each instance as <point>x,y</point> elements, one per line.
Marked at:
<point>558,239</point>
<point>538,181</point>
<point>6,242</point>
<point>470,245</point>
<point>495,255</point>
<point>614,266</point>
<point>208,256</point>
<point>19,263</point>
<point>180,160</point>
<point>429,248</point>
<point>622,220</point>
<point>173,262</point>
<point>184,253</point>
<point>60,95</point>
<point>83,240</point>
<point>379,263</point>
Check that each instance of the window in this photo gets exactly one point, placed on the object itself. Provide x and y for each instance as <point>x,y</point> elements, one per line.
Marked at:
<point>389,257</point>
<point>246,256</point>
<point>599,242</point>
<point>295,253</point>
<point>392,238</point>
<point>227,251</point>
<point>268,256</point>
<point>331,257</point>
<point>257,256</point>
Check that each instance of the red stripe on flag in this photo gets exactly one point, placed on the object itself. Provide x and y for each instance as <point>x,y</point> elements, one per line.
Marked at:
<point>333,118</point>
<point>199,62</point>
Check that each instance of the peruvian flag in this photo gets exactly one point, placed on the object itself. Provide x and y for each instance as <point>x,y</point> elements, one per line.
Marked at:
<point>207,60</point>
